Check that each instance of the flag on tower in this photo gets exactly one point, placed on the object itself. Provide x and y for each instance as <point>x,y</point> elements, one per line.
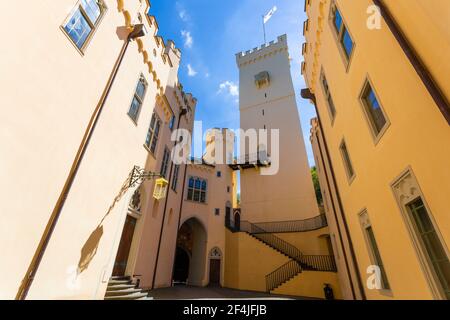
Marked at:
<point>270,14</point>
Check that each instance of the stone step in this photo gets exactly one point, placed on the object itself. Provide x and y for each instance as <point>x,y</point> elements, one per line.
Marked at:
<point>133,296</point>
<point>128,278</point>
<point>112,293</point>
<point>116,282</point>
<point>120,287</point>
<point>145,298</point>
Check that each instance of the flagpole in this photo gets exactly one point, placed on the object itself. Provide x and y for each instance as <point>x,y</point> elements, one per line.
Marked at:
<point>264,29</point>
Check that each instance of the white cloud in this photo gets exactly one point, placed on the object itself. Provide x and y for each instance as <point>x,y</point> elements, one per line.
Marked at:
<point>182,13</point>
<point>191,71</point>
<point>207,75</point>
<point>230,88</point>
<point>188,40</point>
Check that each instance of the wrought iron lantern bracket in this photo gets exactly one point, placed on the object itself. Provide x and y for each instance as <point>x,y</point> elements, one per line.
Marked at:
<point>139,175</point>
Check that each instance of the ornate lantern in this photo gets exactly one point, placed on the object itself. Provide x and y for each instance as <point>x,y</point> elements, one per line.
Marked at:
<point>160,191</point>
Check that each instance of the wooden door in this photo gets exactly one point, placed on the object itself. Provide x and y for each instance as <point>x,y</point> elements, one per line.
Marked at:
<point>237,221</point>
<point>124,247</point>
<point>227,216</point>
<point>214,272</point>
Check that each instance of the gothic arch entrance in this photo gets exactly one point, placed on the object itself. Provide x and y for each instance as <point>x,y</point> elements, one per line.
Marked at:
<point>190,257</point>
<point>237,219</point>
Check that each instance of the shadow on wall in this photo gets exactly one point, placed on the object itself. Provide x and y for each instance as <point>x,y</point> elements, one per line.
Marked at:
<point>90,247</point>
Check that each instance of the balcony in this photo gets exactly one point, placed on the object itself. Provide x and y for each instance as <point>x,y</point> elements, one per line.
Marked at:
<point>254,160</point>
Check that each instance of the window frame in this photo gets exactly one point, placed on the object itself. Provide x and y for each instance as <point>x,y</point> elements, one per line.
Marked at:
<point>348,163</point>
<point>419,236</point>
<point>409,178</point>
<point>197,189</point>
<point>371,247</point>
<point>140,100</point>
<point>165,163</point>
<point>339,35</point>
<point>152,130</point>
<point>172,121</point>
<point>175,177</point>
<point>368,116</point>
<point>94,26</point>
<point>327,96</point>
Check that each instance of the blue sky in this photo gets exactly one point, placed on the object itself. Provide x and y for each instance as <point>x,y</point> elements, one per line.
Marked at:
<point>210,33</point>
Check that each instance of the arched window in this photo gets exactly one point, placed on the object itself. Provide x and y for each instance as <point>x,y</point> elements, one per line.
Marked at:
<point>197,188</point>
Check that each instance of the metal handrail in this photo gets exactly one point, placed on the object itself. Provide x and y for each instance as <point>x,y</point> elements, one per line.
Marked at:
<point>319,263</point>
<point>272,240</point>
<point>292,268</point>
<point>282,274</point>
<point>298,261</point>
<point>310,224</point>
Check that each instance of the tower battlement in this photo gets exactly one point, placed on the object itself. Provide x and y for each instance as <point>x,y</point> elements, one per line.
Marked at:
<point>250,56</point>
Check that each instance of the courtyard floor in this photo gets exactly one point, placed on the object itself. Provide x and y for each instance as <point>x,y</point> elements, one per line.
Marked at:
<point>194,293</point>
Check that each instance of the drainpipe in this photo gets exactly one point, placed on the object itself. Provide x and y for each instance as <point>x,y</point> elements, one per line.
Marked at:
<point>137,32</point>
<point>427,79</point>
<point>182,113</point>
<point>307,94</point>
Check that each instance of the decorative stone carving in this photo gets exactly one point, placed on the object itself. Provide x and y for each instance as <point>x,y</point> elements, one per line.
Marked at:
<point>215,253</point>
<point>406,189</point>
<point>364,219</point>
<point>135,203</point>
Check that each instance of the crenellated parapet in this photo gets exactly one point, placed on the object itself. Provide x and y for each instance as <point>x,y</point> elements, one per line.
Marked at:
<point>262,52</point>
<point>161,58</point>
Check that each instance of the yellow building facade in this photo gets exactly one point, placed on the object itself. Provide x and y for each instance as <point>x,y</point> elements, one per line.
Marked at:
<point>380,82</point>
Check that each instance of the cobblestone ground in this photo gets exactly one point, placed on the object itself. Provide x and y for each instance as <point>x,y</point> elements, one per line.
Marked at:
<point>186,292</point>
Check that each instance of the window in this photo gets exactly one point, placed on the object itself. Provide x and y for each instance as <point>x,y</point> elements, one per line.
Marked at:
<point>431,243</point>
<point>426,237</point>
<point>83,20</point>
<point>377,119</point>
<point>217,212</point>
<point>347,42</point>
<point>219,174</point>
<point>165,162</point>
<point>373,248</point>
<point>138,99</point>
<point>328,98</point>
<point>176,170</point>
<point>172,122</point>
<point>153,133</point>
<point>344,38</point>
<point>347,161</point>
<point>337,20</point>
<point>197,189</point>
<point>228,189</point>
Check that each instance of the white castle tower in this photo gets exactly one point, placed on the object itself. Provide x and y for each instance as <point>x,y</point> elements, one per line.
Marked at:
<point>267,101</point>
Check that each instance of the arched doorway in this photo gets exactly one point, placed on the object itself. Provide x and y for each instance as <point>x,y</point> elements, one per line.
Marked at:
<point>228,214</point>
<point>237,219</point>
<point>190,257</point>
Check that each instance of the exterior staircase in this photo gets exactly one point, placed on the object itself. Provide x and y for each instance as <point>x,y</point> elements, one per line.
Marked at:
<point>122,288</point>
<point>298,262</point>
